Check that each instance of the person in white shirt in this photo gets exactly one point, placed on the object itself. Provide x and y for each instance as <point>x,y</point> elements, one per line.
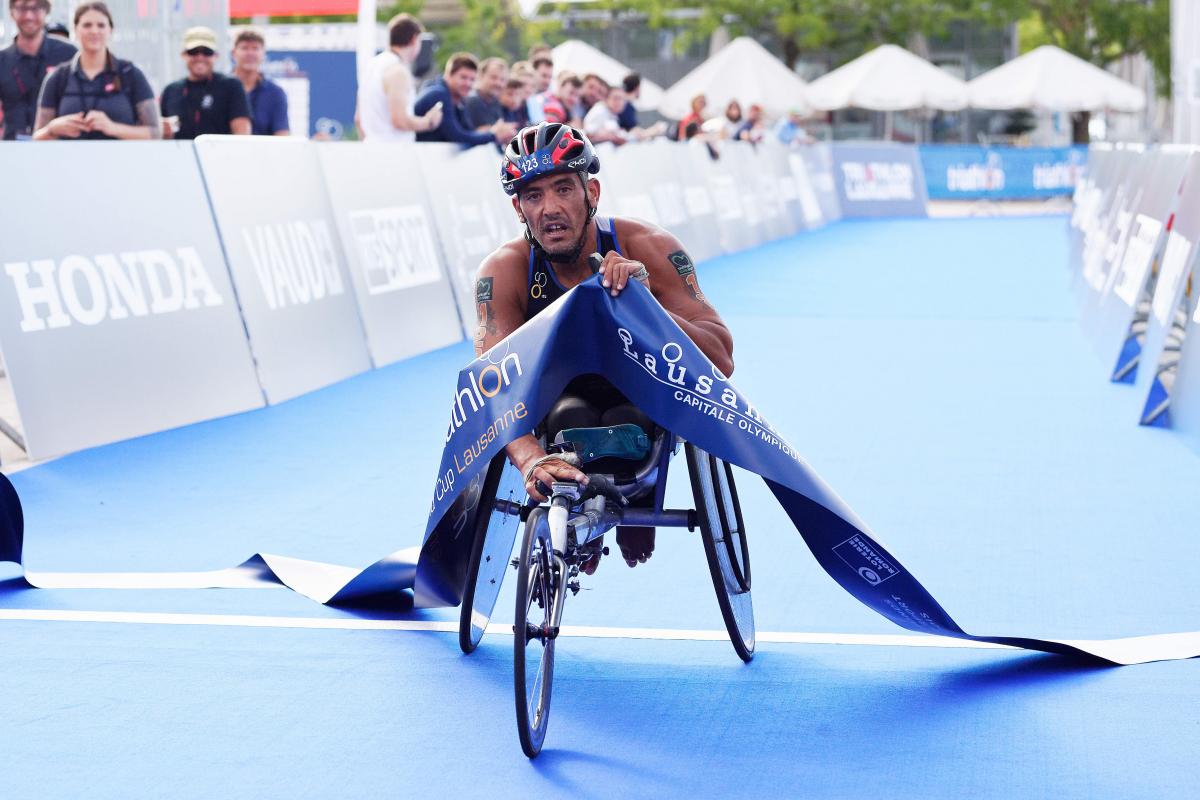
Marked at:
<point>386,94</point>
<point>601,122</point>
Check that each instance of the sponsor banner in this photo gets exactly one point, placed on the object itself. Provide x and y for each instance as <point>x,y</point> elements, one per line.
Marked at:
<point>472,214</point>
<point>1167,350</point>
<point>794,194</point>
<point>1106,236</point>
<point>734,225</point>
<point>968,172</point>
<point>879,179</point>
<point>760,187</point>
<point>117,319</point>
<point>286,260</point>
<point>390,238</point>
<point>634,343</point>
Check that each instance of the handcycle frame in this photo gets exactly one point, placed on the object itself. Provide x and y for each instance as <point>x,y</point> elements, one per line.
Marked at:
<point>565,532</point>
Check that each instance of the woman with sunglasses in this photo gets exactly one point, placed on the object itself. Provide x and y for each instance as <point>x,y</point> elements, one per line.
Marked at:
<point>205,101</point>
<point>96,95</point>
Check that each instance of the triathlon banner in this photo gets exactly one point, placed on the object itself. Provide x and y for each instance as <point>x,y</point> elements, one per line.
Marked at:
<point>966,172</point>
<point>879,179</point>
<point>633,343</point>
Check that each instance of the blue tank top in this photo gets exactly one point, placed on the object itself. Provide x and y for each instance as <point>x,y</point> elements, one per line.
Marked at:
<point>544,287</point>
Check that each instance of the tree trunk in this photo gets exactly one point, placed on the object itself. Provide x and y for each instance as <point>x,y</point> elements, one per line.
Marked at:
<point>1079,127</point>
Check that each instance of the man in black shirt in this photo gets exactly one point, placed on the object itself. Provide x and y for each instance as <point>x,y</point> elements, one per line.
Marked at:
<point>205,101</point>
<point>25,64</point>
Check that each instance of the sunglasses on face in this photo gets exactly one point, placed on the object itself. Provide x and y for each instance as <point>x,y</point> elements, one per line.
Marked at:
<point>201,51</point>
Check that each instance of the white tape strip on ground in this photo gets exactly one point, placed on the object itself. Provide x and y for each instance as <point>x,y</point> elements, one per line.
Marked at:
<point>319,623</point>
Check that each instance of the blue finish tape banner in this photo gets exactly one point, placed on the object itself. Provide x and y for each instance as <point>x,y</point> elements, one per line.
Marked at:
<point>966,172</point>
<point>631,341</point>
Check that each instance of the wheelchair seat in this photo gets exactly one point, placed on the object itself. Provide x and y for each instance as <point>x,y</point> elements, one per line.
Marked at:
<point>626,452</point>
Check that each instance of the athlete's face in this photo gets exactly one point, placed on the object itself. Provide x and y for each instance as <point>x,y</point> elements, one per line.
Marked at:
<point>555,209</point>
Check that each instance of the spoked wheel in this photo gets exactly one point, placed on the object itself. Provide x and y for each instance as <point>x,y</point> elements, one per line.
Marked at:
<point>538,586</point>
<point>720,516</point>
<point>497,520</point>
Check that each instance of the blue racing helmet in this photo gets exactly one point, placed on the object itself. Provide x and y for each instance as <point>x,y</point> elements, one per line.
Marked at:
<point>546,149</point>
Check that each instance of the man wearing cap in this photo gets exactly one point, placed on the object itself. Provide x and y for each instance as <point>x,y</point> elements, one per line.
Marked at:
<point>25,64</point>
<point>205,101</point>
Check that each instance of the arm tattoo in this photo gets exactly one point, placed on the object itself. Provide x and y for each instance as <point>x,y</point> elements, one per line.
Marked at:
<point>487,320</point>
<point>147,114</point>
<point>687,270</point>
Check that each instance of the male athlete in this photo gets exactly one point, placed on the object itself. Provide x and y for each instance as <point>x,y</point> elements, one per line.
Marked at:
<point>546,170</point>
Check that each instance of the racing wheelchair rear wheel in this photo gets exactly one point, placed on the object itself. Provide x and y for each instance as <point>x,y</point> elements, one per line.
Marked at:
<point>718,512</point>
<point>539,583</point>
<point>497,520</point>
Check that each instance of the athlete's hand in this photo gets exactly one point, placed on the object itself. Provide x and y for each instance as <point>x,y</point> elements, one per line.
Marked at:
<point>616,271</point>
<point>538,482</point>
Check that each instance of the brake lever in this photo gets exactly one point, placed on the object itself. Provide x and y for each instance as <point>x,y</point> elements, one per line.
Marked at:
<point>602,486</point>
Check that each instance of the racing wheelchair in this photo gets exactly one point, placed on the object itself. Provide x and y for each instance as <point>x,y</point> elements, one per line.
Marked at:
<point>562,535</point>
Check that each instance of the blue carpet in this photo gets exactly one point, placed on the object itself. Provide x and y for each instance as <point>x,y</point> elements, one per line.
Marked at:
<point>932,371</point>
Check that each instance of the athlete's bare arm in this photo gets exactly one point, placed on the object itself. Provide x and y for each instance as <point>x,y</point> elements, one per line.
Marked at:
<point>673,283</point>
<point>500,304</point>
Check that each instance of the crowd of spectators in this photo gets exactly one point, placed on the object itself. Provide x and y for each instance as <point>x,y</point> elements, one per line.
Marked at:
<point>51,88</point>
<point>54,89</point>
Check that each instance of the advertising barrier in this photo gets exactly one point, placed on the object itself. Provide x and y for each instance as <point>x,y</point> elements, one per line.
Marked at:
<point>282,247</point>
<point>117,317</point>
<point>1115,320</point>
<point>390,240</point>
<point>1106,236</point>
<point>818,163</point>
<point>472,214</point>
<point>967,172</point>
<point>705,236</point>
<point>1169,309</point>
<point>879,179</point>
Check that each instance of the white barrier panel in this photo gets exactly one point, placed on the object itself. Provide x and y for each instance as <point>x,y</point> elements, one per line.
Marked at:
<point>1125,300</point>
<point>282,247</point>
<point>472,213</point>
<point>735,229</point>
<point>818,159</point>
<point>788,186</point>
<point>1107,235</point>
<point>705,236</point>
<point>117,317</point>
<point>390,239</point>
<point>1168,317</point>
<point>625,191</point>
<point>879,179</point>
<point>761,186</point>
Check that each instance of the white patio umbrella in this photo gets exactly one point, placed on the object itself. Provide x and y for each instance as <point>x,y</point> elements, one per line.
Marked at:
<point>1051,79</point>
<point>581,58</point>
<point>743,70</point>
<point>888,78</point>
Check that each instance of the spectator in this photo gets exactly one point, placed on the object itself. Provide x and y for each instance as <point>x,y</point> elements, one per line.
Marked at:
<point>205,101</point>
<point>268,103</point>
<point>450,90</point>
<point>387,94</point>
<point>539,51</point>
<point>689,126</point>
<point>601,123</point>
<point>25,64</point>
<point>482,107</point>
<point>632,84</point>
<point>790,130</point>
<point>96,95</point>
<point>58,30</point>
<point>751,129</point>
<point>595,89</point>
<point>543,72</point>
<point>725,127</point>
<point>557,105</point>
<point>513,98</point>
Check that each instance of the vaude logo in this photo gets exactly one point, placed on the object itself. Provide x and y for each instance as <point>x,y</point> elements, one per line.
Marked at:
<point>90,289</point>
<point>878,180</point>
<point>295,262</point>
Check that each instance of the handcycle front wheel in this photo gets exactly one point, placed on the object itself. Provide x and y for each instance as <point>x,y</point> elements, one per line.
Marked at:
<point>717,512</point>
<point>538,584</point>
<point>496,522</point>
